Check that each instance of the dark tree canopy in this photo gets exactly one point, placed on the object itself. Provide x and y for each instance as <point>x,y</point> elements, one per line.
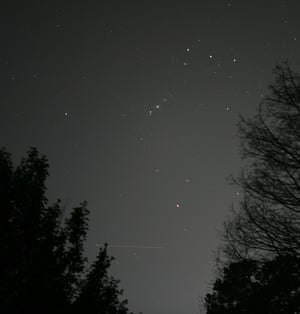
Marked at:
<point>252,287</point>
<point>268,220</point>
<point>260,261</point>
<point>42,262</point>
<point>107,288</point>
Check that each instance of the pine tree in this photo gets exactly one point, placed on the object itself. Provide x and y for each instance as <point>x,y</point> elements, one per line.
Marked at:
<point>42,262</point>
<point>100,292</point>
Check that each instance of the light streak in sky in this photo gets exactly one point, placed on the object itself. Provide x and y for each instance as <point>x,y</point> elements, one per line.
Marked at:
<point>132,246</point>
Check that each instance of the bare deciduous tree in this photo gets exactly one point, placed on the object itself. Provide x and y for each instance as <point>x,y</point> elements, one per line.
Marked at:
<point>268,219</point>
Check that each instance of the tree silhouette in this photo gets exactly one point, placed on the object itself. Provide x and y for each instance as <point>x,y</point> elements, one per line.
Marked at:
<point>250,287</point>
<point>261,269</point>
<point>268,220</point>
<point>42,262</point>
<point>99,292</point>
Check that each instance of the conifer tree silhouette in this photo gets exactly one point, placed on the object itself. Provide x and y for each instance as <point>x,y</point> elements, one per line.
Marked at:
<point>42,262</point>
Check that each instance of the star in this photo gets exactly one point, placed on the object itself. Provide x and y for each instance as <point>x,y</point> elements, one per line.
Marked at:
<point>177,205</point>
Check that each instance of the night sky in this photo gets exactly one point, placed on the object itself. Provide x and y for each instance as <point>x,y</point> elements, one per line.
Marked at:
<point>135,103</point>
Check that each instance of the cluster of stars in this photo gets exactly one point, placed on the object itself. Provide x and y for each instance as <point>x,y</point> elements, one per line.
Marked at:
<point>154,108</point>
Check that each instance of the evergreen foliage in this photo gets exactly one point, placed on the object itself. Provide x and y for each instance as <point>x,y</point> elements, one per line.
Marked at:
<point>42,264</point>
